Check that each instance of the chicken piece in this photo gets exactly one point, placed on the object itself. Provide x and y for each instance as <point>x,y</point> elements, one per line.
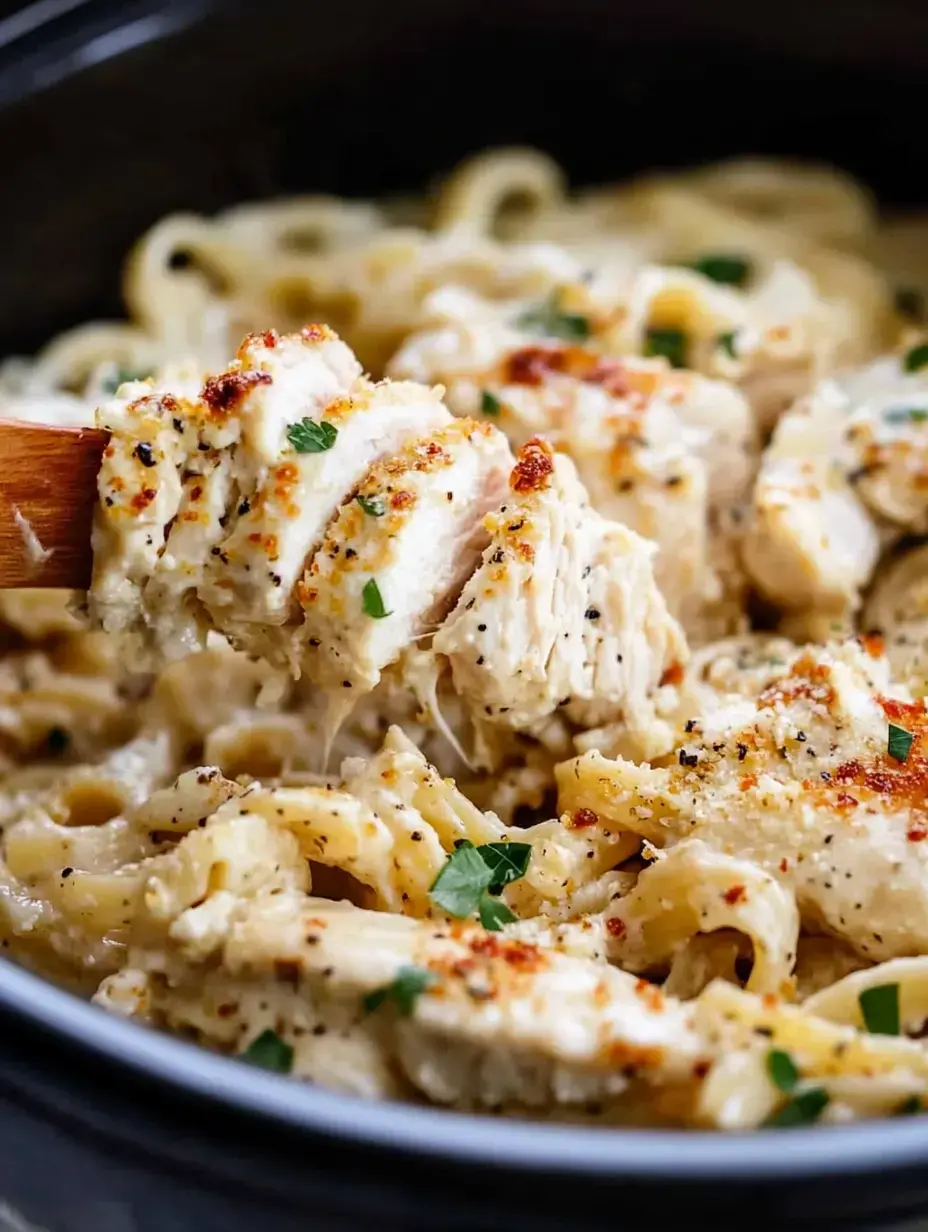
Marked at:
<point>659,450</point>
<point>292,478</point>
<point>395,558</point>
<point>811,542</point>
<point>887,436</point>
<point>495,1020</point>
<point>818,780</point>
<point>563,612</point>
<point>897,613</point>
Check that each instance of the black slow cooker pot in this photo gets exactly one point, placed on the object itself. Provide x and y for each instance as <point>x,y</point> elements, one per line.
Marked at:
<point>111,115</point>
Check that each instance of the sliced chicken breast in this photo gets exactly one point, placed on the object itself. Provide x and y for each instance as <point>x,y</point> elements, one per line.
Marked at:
<point>396,556</point>
<point>563,612</point>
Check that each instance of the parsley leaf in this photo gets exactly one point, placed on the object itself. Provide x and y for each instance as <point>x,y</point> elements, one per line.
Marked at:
<point>906,414</point>
<point>373,506</point>
<point>110,384</point>
<point>782,1071</point>
<point>917,358</point>
<point>802,1109</point>
<point>899,742</point>
<point>669,343</point>
<point>506,861</point>
<point>726,343</point>
<point>547,318</point>
<point>494,913</point>
<point>472,874</point>
<point>404,992</point>
<point>461,883</point>
<point>269,1051</point>
<point>307,436</point>
<point>489,403</point>
<point>909,1107</point>
<point>724,268</point>
<point>372,600</point>
<point>880,1009</point>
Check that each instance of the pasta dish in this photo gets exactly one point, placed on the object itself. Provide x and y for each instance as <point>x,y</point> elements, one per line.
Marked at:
<point>502,683</point>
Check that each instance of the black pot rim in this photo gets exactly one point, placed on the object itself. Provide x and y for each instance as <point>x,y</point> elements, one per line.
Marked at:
<point>606,1153</point>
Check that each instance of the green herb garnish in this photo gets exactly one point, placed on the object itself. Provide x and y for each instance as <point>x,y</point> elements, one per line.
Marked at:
<point>506,861</point>
<point>899,742</point>
<point>726,343</point>
<point>669,343</point>
<point>879,1007</point>
<point>472,874</point>
<point>917,358</point>
<point>110,384</point>
<point>494,913</point>
<point>489,403</point>
<point>802,1109</point>
<point>372,600</point>
<point>909,1107</point>
<point>404,992</point>
<point>307,436</point>
<point>269,1051</point>
<point>547,318</point>
<point>724,268</point>
<point>373,506</point>
<point>782,1071</point>
<point>905,414</point>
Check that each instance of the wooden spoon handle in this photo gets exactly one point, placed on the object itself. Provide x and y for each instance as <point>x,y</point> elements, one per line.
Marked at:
<point>48,482</point>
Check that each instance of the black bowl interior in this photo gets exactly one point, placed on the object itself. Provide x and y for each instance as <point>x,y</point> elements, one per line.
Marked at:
<point>356,98</point>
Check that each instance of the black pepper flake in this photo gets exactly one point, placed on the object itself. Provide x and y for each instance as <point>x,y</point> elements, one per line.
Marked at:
<point>223,520</point>
<point>449,496</point>
<point>688,759</point>
<point>66,872</point>
<point>275,578</point>
<point>350,553</point>
<point>470,603</point>
<point>801,737</point>
<point>690,725</point>
<point>497,557</point>
<point>108,500</point>
<point>320,1028</point>
<point>481,661</point>
<point>346,684</point>
<point>214,551</point>
<point>742,752</point>
<point>828,838</point>
<point>244,507</point>
<point>178,425</point>
<point>481,628</point>
<point>674,480</point>
<point>203,447</point>
<point>144,454</point>
<point>592,613</point>
<point>826,776</point>
<point>416,836</point>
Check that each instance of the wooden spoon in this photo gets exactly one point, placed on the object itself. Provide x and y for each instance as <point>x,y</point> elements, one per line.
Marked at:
<point>48,481</point>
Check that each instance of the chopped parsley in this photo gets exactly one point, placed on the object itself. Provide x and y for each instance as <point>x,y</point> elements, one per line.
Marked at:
<point>471,875</point>
<point>494,913</point>
<point>724,268</point>
<point>373,506</point>
<point>879,1007</point>
<point>489,403</point>
<point>910,302</point>
<point>110,384</point>
<point>782,1071</point>
<point>899,742</point>
<point>909,1107</point>
<point>404,992</point>
<point>905,414</point>
<point>547,318</point>
<point>671,344</point>
<point>917,358</point>
<point>307,436</point>
<point>803,1109</point>
<point>726,343</point>
<point>372,600</point>
<point>269,1051</point>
